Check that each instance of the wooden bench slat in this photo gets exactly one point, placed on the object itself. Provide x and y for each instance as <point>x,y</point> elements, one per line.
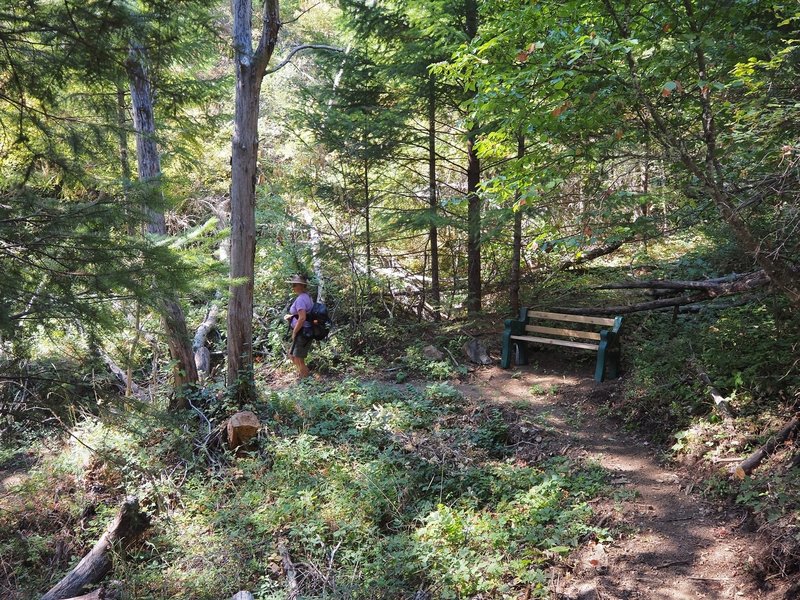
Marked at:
<point>571,318</point>
<point>541,340</point>
<point>588,335</point>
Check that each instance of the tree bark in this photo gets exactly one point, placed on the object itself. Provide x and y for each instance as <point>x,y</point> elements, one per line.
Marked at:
<point>128,523</point>
<point>433,231</point>
<point>149,169</point>
<point>751,462</point>
<point>250,66</point>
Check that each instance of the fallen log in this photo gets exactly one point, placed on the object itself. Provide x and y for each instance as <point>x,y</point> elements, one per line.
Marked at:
<point>748,465</point>
<point>128,524</point>
<point>109,592</point>
<point>632,308</point>
<point>721,286</point>
<point>592,253</point>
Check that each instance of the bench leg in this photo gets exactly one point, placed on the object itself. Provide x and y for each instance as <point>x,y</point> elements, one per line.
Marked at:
<point>599,371</point>
<point>505,361</point>
<point>613,362</point>
<point>522,352</point>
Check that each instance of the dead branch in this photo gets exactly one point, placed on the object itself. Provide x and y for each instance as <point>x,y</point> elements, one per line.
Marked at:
<point>632,308</point>
<point>297,49</point>
<point>291,571</point>
<point>202,356</point>
<point>668,284</point>
<point>128,524</point>
<point>591,254</point>
<point>748,465</point>
<point>122,376</point>
<point>721,403</point>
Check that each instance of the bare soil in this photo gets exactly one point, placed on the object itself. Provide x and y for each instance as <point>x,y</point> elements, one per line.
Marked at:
<point>669,542</point>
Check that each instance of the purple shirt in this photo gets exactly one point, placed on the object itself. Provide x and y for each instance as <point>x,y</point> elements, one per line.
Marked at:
<point>302,302</point>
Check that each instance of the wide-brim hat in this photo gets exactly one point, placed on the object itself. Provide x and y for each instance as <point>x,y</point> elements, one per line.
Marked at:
<point>297,279</point>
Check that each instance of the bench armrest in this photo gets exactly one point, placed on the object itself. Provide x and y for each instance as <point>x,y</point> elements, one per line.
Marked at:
<point>515,327</point>
<point>617,325</point>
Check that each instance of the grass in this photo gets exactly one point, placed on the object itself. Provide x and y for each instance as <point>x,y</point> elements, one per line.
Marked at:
<point>370,488</point>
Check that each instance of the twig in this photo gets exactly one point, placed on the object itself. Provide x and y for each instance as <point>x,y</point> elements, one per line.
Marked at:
<point>446,349</point>
<point>673,564</point>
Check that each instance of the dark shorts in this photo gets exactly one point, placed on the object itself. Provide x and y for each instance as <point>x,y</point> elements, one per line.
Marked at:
<point>300,346</point>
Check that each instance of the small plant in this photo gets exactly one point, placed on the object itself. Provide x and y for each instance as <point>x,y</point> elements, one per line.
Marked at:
<point>537,389</point>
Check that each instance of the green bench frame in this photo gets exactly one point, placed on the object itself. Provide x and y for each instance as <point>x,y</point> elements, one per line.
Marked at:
<point>605,342</point>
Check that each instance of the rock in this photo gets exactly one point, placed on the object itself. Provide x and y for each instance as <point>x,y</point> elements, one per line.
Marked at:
<point>476,352</point>
<point>432,353</point>
<point>242,427</point>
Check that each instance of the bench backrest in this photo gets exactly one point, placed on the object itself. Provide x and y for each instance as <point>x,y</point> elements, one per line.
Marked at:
<point>587,332</point>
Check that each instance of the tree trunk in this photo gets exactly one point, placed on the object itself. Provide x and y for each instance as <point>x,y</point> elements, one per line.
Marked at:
<point>433,232</point>
<point>128,523</point>
<point>516,259</point>
<point>149,168</point>
<point>473,200</point>
<point>366,218</point>
<point>243,231</point>
<point>250,66</point>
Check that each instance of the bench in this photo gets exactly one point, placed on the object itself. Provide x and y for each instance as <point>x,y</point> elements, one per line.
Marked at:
<point>538,327</point>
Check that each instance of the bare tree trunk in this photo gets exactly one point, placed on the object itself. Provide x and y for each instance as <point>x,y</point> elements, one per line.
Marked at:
<point>433,231</point>
<point>516,258</point>
<point>149,168</point>
<point>250,66</point>
<point>366,217</point>
<point>473,200</point>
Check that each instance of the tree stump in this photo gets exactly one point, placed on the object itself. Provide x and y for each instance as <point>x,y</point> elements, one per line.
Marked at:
<point>241,428</point>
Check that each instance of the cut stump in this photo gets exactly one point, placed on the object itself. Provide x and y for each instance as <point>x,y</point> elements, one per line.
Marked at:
<point>242,427</point>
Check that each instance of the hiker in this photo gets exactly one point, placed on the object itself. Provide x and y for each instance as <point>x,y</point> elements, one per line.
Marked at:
<point>299,325</point>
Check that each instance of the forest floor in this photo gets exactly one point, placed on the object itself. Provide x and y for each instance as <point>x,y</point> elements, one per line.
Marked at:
<point>669,543</point>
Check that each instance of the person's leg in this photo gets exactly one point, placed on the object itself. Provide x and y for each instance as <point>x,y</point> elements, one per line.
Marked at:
<point>298,354</point>
<point>302,368</point>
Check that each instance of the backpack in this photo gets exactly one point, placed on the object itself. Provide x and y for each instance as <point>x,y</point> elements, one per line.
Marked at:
<point>320,321</point>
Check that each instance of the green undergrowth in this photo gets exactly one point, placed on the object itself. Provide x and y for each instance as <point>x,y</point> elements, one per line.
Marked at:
<point>370,490</point>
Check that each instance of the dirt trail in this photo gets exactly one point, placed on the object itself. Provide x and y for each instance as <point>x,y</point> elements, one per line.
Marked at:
<point>674,546</point>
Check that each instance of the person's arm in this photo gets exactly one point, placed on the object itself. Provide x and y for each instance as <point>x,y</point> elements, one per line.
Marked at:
<point>301,319</point>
